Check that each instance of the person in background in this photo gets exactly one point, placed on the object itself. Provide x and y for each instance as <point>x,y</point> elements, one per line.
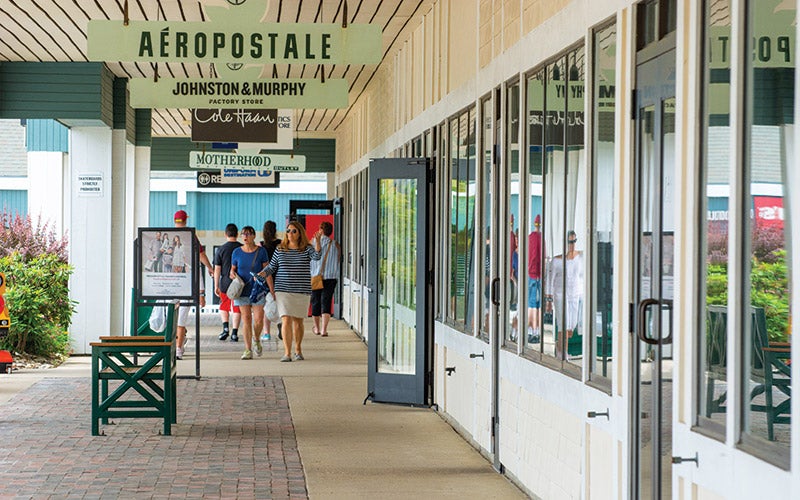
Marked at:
<point>328,266</point>
<point>292,288</point>
<point>269,243</point>
<point>222,269</point>
<point>247,260</point>
<point>180,218</point>
<point>567,293</point>
<point>535,258</point>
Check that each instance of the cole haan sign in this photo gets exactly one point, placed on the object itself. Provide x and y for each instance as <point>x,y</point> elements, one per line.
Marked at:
<point>234,40</point>
<point>240,165</point>
<point>240,93</point>
<point>234,125</point>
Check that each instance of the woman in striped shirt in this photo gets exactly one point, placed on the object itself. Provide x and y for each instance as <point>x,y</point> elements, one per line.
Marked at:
<point>291,265</point>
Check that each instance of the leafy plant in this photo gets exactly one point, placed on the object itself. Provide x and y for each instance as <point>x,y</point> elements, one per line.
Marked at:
<point>35,262</point>
<point>18,234</point>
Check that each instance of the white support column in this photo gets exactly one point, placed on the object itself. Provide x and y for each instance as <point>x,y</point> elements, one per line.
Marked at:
<point>122,161</point>
<point>90,231</point>
<point>137,213</point>
<point>46,171</point>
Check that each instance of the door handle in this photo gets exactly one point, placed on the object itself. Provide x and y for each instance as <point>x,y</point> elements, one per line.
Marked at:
<point>668,306</point>
<point>643,306</point>
<point>496,291</point>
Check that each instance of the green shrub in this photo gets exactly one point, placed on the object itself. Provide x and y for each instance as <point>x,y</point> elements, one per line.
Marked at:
<point>35,261</point>
<point>38,300</point>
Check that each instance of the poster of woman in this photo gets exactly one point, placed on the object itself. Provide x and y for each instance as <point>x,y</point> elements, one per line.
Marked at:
<point>165,269</point>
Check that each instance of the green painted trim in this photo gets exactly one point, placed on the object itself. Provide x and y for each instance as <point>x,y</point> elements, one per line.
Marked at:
<point>46,135</point>
<point>124,114</point>
<point>172,153</point>
<point>73,93</point>
<point>143,127</point>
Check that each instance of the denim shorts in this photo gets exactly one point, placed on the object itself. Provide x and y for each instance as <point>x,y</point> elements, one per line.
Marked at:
<point>534,293</point>
<point>244,300</point>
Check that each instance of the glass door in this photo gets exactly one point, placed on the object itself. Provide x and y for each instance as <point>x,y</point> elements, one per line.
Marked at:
<point>397,289</point>
<point>651,351</point>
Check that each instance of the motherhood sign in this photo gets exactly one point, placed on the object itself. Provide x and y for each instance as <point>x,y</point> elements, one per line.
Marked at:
<point>241,165</point>
<point>238,92</point>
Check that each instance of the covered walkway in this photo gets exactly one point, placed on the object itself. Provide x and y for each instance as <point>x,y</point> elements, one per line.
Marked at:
<point>247,429</point>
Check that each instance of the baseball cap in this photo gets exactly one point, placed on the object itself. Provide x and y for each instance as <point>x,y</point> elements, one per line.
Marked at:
<point>537,220</point>
<point>180,216</point>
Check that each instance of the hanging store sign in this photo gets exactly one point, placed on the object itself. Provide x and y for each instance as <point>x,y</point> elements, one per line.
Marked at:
<point>230,125</point>
<point>235,125</point>
<point>233,41</point>
<point>241,93</point>
<point>260,162</point>
<point>235,178</point>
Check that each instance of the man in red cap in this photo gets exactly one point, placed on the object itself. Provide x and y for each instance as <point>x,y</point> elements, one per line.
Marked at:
<point>180,219</point>
<point>535,258</point>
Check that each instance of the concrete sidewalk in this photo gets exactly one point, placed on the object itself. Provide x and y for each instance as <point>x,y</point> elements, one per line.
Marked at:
<point>257,428</point>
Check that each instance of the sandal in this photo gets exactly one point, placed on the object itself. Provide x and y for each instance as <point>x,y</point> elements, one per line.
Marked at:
<point>314,329</point>
<point>324,334</point>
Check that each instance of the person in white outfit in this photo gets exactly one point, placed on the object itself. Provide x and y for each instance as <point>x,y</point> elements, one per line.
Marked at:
<point>567,295</point>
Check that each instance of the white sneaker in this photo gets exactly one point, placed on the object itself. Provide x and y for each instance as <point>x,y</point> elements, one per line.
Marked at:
<point>179,353</point>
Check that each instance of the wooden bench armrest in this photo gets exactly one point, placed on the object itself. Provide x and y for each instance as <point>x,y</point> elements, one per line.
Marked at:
<point>777,349</point>
<point>133,338</point>
<point>130,344</point>
<point>780,344</point>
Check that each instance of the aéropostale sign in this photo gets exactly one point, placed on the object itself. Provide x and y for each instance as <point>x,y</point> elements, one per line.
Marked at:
<point>234,40</point>
<point>235,125</point>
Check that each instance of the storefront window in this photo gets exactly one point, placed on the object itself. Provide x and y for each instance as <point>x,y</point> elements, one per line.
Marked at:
<point>715,195</point>
<point>557,214</point>
<point>462,219</point>
<point>766,317</point>
<point>512,169</point>
<point>603,200</point>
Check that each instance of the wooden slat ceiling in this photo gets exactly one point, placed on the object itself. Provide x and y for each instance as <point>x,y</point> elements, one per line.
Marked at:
<point>55,30</point>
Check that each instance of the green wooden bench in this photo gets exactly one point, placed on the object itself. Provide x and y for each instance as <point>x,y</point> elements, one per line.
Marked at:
<point>768,367</point>
<point>143,373</point>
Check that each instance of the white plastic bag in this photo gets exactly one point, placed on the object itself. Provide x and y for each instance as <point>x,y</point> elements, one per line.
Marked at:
<point>158,319</point>
<point>271,309</point>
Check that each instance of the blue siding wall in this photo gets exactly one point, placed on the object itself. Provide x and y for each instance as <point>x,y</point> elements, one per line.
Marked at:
<point>46,135</point>
<point>212,211</point>
<point>14,201</point>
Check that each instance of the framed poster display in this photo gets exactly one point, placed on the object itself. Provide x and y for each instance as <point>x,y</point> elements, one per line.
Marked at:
<point>167,264</point>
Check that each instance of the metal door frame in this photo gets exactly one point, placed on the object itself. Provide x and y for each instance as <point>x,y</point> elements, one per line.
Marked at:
<point>401,388</point>
<point>651,90</point>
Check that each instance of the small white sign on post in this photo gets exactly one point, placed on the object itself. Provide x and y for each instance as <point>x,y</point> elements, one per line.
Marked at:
<point>90,184</point>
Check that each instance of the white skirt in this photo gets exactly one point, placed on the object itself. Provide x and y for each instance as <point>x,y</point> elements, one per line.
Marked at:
<point>292,304</point>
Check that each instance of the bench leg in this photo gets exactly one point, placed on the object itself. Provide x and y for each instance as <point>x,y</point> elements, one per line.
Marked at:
<point>95,397</point>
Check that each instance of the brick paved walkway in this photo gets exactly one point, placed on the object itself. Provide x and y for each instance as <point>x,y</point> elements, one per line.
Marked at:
<point>234,439</point>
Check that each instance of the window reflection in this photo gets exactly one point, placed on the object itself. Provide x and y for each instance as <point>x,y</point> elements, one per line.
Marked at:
<point>771,138</point>
<point>512,167</point>
<point>536,249</point>
<point>462,219</point>
<point>556,212</point>
<point>603,200</point>
<point>712,351</point>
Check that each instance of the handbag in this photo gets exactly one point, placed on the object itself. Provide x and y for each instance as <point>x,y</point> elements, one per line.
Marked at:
<point>235,288</point>
<point>316,280</point>
<point>237,283</point>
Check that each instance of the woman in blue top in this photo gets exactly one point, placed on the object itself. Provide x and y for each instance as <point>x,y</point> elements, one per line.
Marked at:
<point>291,287</point>
<point>249,258</point>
